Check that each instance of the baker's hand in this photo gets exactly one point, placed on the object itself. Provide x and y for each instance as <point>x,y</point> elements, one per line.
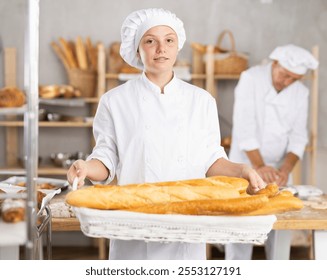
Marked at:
<point>268,173</point>
<point>256,182</point>
<point>77,169</point>
<point>283,178</point>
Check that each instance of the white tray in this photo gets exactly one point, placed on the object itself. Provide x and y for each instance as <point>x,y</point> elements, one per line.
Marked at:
<point>169,228</point>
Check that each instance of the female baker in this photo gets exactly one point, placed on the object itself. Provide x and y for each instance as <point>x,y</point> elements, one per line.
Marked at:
<point>156,128</point>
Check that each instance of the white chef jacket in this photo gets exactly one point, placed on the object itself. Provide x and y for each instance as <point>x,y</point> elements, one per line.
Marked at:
<point>145,136</point>
<point>275,123</point>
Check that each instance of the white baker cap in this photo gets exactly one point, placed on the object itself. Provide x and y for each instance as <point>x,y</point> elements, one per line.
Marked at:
<point>139,22</point>
<point>294,59</point>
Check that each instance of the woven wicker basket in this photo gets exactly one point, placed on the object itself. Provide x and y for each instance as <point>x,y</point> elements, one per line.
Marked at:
<point>229,61</point>
<point>84,80</point>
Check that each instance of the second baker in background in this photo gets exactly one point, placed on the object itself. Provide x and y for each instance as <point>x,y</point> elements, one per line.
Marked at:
<point>156,128</point>
<point>270,126</point>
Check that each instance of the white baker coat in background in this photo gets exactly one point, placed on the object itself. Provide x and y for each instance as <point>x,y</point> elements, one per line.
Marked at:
<point>275,123</point>
<point>145,136</point>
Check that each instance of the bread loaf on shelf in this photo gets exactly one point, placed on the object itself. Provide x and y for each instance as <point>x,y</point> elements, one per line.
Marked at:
<point>13,210</point>
<point>11,97</point>
<point>138,195</point>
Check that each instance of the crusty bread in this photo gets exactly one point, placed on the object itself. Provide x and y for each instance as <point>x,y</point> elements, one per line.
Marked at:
<point>13,210</point>
<point>231,206</point>
<point>217,195</point>
<point>145,194</point>
<point>138,195</point>
<point>278,204</point>
<point>11,97</point>
<point>270,190</point>
<point>239,183</point>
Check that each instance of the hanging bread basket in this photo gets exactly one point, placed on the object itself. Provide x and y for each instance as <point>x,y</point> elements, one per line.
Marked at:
<point>229,61</point>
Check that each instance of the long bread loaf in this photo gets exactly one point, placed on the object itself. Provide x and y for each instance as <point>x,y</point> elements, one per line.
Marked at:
<point>230,206</point>
<point>133,196</point>
<point>270,190</point>
<point>278,204</point>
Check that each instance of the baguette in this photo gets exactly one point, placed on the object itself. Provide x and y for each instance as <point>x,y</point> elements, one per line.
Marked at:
<point>60,55</point>
<point>133,196</point>
<point>81,53</point>
<point>278,204</point>
<point>239,184</point>
<point>270,190</point>
<point>68,53</point>
<point>91,54</point>
<point>230,206</point>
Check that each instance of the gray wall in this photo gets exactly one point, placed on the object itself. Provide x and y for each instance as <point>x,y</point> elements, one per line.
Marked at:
<point>258,28</point>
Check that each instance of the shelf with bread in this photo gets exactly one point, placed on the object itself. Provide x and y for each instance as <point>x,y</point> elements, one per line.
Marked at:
<point>23,220</point>
<point>79,60</point>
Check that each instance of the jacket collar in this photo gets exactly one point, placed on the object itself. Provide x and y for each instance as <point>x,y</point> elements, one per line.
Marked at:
<point>169,89</point>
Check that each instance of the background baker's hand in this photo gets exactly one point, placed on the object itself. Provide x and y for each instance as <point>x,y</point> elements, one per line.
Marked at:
<point>255,181</point>
<point>283,178</point>
<point>77,169</point>
<point>268,173</point>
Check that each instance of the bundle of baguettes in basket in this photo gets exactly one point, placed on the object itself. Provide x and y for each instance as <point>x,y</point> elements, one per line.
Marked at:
<point>76,54</point>
<point>217,195</point>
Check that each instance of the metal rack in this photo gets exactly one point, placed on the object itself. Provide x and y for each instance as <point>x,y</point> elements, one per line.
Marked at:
<point>31,60</point>
<point>31,71</point>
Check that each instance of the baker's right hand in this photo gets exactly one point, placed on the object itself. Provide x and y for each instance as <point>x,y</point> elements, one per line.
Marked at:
<point>77,169</point>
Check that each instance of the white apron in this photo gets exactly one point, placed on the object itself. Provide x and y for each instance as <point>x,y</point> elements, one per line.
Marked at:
<point>145,136</point>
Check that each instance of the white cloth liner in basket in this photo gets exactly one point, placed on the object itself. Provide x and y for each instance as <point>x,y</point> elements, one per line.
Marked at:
<point>170,228</point>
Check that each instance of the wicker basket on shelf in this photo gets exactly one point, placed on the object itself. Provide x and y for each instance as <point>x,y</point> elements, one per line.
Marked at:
<point>84,80</point>
<point>229,61</point>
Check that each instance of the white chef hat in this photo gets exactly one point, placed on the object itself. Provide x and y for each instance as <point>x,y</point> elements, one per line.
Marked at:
<point>295,59</point>
<point>137,23</point>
